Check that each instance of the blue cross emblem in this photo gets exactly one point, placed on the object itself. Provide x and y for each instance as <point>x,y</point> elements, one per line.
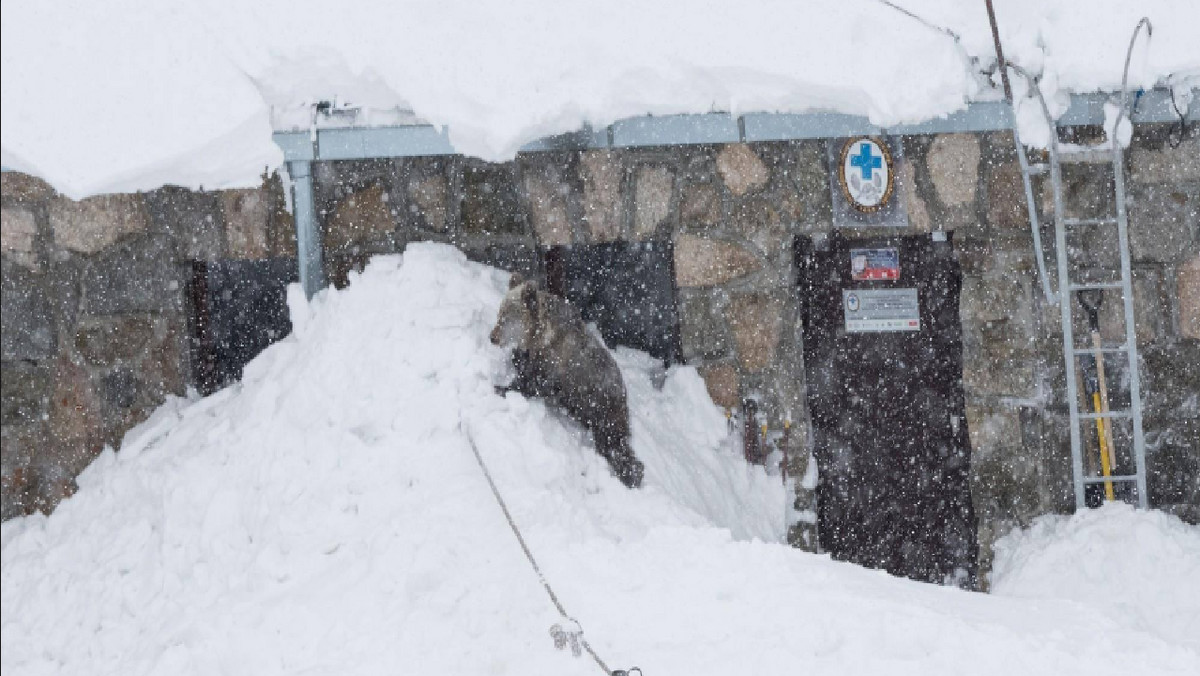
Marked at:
<point>865,160</point>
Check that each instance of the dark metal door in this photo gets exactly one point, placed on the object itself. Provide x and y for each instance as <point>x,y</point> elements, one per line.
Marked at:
<point>883,362</point>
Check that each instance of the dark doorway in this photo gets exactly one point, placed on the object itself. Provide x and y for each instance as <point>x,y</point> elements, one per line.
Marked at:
<point>883,362</point>
<point>626,288</point>
<point>238,309</point>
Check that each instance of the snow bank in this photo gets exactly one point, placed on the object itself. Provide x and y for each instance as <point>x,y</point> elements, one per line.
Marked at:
<point>327,516</point>
<point>138,93</point>
<point>1141,566</point>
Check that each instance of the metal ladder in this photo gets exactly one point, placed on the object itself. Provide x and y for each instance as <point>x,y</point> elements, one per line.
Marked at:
<point>1058,155</point>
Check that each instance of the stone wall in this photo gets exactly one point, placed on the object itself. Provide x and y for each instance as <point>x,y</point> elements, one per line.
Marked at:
<point>78,275</point>
<point>95,315</point>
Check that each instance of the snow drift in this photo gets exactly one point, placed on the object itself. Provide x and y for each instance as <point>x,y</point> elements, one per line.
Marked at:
<point>327,516</point>
<point>134,94</point>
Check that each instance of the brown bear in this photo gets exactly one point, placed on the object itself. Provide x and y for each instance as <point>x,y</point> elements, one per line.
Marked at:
<point>557,359</point>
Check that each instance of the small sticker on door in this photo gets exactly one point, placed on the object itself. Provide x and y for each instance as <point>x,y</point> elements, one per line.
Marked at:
<point>874,264</point>
<point>873,310</point>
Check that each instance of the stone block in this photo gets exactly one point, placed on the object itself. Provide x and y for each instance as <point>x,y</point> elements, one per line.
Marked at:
<point>428,195</point>
<point>547,195</point>
<point>1163,222</point>
<point>1006,205</point>
<point>652,200</point>
<point>104,342</point>
<point>247,222</point>
<point>992,429</point>
<point>721,380</point>
<point>1147,312</point>
<point>708,262</point>
<point>92,224</point>
<point>756,321</point>
<point>18,234</point>
<point>360,218</point>
<point>491,204</point>
<point>741,169</point>
<point>765,220</point>
<point>140,275</point>
<point>18,187</point>
<point>603,210</point>
<point>1188,283</point>
<point>703,331</point>
<point>1166,164</point>
<point>954,167</point>
<point>193,219</point>
<point>76,418</point>
<point>699,206</point>
<point>811,181</point>
<point>24,392</point>
<point>918,213</point>
<point>27,329</point>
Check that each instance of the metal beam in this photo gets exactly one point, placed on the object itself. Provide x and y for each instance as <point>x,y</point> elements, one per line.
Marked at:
<point>351,143</point>
<point>308,230</point>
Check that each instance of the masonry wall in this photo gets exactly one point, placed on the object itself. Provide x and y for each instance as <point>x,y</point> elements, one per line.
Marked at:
<point>95,315</point>
<point>731,213</point>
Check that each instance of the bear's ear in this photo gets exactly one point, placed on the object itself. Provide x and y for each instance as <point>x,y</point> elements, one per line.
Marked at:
<point>530,299</point>
<point>517,279</point>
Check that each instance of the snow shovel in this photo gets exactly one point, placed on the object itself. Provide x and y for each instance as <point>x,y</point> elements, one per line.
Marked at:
<point>1097,388</point>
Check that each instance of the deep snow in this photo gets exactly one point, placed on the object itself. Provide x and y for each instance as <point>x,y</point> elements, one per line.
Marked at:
<point>327,516</point>
<point>133,94</point>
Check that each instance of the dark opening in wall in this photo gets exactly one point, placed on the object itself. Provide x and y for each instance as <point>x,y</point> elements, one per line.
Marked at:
<point>626,288</point>
<point>238,308</point>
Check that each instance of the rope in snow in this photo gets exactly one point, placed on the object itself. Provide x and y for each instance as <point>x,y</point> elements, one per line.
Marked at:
<point>572,634</point>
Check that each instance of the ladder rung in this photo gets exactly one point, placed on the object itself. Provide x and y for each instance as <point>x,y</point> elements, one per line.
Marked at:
<point>1089,221</point>
<point>1095,285</point>
<point>1111,414</point>
<point>1088,155</point>
<point>1106,350</point>
<point>1037,169</point>
<point>1105,479</point>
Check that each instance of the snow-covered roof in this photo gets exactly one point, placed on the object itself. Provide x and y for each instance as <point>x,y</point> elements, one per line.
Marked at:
<point>133,94</point>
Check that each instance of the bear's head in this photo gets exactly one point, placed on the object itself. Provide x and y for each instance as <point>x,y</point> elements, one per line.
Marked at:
<point>516,322</point>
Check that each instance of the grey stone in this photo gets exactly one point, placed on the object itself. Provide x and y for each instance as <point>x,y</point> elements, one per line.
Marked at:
<point>603,209</point>
<point>247,222</point>
<point>491,204</point>
<point>429,196</point>
<point>741,169</point>
<point>18,233</point>
<point>1006,204</point>
<point>1163,222</point>
<point>953,162</point>
<point>652,200</point>
<point>109,341</point>
<point>195,220</point>
<point>918,213</point>
<point>765,220</point>
<point>1187,282</point>
<point>756,320</point>
<point>25,389</point>
<point>703,330</point>
<point>27,329</point>
<point>360,218</point>
<point>1167,164</point>
<point>699,206</point>
<point>547,195</point>
<point>92,224</point>
<point>708,262</point>
<point>140,275</point>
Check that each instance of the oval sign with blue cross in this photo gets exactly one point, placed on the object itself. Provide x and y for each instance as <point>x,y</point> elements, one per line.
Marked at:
<point>866,174</point>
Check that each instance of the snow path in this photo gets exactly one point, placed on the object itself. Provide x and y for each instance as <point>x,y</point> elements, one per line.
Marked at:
<point>133,94</point>
<point>327,516</point>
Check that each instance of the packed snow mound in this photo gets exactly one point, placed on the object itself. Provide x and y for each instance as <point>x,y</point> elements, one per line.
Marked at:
<point>327,515</point>
<point>131,95</point>
<point>1141,565</point>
